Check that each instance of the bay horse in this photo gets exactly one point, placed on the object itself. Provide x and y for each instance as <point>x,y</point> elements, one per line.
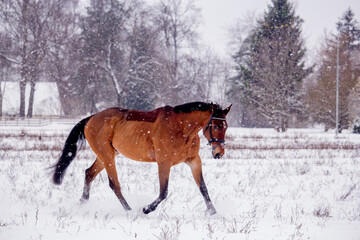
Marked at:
<point>166,135</point>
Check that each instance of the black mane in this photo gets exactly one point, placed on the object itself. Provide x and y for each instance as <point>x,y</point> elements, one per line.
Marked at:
<point>196,106</point>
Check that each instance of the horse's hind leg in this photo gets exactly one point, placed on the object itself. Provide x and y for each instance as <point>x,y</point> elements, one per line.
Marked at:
<point>196,170</point>
<point>90,175</point>
<point>114,182</point>
<point>164,172</point>
<point>106,154</point>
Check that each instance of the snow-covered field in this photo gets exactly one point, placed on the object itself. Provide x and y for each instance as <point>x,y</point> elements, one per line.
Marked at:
<point>303,184</point>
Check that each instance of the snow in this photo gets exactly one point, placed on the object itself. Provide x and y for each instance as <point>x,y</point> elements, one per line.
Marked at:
<point>46,98</point>
<point>302,184</point>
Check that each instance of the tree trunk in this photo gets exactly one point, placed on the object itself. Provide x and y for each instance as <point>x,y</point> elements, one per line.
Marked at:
<point>23,80</point>
<point>118,99</point>
<point>65,108</point>
<point>24,66</point>
<point>1,100</point>
<point>31,98</point>
<point>283,126</point>
<point>62,87</point>
<point>22,97</point>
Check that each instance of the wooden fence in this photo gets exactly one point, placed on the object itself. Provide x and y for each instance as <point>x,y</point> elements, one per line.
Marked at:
<point>37,121</point>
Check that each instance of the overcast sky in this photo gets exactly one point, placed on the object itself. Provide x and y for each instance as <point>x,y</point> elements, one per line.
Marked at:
<point>318,15</point>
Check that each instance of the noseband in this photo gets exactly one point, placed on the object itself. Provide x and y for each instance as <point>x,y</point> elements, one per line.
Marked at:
<point>208,126</point>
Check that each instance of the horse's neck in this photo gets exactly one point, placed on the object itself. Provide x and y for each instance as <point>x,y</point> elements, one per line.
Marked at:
<point>194,122</point>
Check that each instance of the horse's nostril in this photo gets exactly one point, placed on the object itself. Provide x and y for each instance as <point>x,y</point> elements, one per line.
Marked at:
<point>217,156</point>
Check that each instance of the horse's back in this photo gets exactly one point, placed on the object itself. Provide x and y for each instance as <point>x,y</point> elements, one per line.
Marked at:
<point>113,116</point>
<point>128,131</point>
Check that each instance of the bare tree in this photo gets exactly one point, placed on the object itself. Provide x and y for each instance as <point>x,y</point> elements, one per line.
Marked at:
<point>62,59</point>
<point>322,91</point>
<point>26,22</point>
<point>140,55</point>
<point>177,21</point>
<point>238,32</point>
<point>38,29</point>
<point>205,76</point>
<point>5,65</point>
<point>14,15</point>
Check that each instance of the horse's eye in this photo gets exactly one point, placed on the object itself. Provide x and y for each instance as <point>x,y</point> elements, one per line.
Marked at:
<point>216,127</point>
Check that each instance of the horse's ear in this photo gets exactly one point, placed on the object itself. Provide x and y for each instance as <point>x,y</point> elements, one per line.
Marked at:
<point>226,110</point>
<point>212,107</point>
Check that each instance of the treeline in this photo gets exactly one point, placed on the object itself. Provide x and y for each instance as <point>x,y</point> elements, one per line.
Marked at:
<point>138,55</point>
<point>277,87</point>
<point>113,53</point>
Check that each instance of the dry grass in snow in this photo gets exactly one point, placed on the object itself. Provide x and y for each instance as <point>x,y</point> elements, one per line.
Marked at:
<point>303,184</point>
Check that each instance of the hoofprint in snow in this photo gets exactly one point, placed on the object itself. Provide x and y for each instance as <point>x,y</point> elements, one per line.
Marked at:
<point>303,184</point>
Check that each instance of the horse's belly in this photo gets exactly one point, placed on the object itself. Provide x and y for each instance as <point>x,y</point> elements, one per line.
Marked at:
<point>135,146</point>
<point>139,155</point>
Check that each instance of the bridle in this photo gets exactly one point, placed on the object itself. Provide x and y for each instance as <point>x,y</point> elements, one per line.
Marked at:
<point>216,140</point>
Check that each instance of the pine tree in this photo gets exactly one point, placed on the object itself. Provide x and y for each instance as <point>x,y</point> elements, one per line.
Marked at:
<point>270,67</point>
<point>322,92</point>
<point>101,50</point>
<point>120,49</point>
<point>145,71</point>
<point>177,22</point>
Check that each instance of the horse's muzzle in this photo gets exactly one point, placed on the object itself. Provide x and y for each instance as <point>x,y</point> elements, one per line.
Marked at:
<point>218,151</point>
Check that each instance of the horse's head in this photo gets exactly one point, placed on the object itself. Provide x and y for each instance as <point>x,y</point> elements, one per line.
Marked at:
<point>215,130</point>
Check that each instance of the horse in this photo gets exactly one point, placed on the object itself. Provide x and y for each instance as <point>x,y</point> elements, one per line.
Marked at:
<point>166,135</point>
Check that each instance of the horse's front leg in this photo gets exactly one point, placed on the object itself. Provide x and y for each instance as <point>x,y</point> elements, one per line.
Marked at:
<point>164,172</point>
<point>196,170</point>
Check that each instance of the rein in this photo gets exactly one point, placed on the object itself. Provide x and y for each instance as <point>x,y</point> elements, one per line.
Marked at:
<point>208,126</point>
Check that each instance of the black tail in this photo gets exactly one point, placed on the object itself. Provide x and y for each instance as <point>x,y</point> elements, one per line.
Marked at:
<point>69,151</point>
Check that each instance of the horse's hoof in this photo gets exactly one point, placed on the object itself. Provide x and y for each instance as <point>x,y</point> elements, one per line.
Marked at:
<point>211,211</point>
<point>146,210</point>
<point>84,199</point>
<point>125,205</point>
